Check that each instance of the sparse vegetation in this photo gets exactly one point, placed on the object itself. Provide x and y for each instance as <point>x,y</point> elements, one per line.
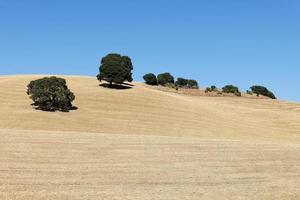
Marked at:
<point>211,89</point>
<point>165,78</point>
<point>261,90</point>
<point>231,89</point>
<point>116,69</point>
<point>51,94</point>
<point>150,79</point>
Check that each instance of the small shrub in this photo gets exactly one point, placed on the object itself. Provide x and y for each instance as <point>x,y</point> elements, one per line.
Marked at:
<point>150,79</point>
<point>51,94</point>
<point>164,78</point>
<point>211,89</point>
<point>261,90</point>
<point>231,89</point>
<point>249,92</point>
<point>207,90</point>
<point>214,88</point>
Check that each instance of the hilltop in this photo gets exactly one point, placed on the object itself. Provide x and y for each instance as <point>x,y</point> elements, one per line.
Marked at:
<point>142,110</point>
<point>143,143</point>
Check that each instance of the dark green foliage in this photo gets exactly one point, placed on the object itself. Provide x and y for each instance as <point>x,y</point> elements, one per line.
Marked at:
<point>211,89</point>
<point>164,78</point>
<point>188,83</point>
<point>261,90</point>
<point>231,89</point>
<point>181,82</point>
<point>193,84</point>
<point>51,94</point>
<point>115,68</point>
<point>150,79</point>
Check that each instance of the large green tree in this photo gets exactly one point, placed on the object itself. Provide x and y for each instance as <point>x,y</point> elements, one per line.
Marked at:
<point>115,68</point>
<point>261,90</point>
<point>150,79</point>
<point>51,94</point>
<point>164,78</point>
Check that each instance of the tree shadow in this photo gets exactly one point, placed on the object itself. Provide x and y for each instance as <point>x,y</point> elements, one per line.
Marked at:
<point>124,86</point>
<point>54,109</point>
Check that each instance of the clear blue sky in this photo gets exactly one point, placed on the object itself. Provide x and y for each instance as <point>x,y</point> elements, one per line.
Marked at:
<point>214,41</point>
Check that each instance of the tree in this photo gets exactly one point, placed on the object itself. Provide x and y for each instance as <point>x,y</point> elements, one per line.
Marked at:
<point>213,88</point>
<point>231,89</point>
<point>165,78</point>
<point>181,82</point>
<point>115,68</point>
<point>192,84</point>
<point>261,90</point>
<point>188,83</point>
<point>51,94</point>
<point>150,79</point>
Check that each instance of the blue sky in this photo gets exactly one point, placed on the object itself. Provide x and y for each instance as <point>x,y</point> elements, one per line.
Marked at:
<point>214,41</point>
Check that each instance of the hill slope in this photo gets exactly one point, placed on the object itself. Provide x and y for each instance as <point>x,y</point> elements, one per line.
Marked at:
<point>141,110</point>
<point>144,144</point>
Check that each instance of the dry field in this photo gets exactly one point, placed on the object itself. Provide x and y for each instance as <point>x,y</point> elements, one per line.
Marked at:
<point>142,143</point>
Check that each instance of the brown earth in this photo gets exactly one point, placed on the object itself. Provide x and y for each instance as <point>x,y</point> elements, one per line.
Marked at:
<point>141,143</point>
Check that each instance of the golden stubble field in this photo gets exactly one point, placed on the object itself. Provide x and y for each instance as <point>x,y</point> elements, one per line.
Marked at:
<point>142,143</point>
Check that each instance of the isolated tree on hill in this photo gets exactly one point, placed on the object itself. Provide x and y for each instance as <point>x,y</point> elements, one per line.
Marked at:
<point>231,89</point>
<point>51,94</point>
<point>150,79</point>
<point>261,90</point>
<point>165,78</point>
<point>115,68</point>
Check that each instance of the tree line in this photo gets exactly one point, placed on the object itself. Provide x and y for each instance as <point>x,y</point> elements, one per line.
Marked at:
<point>53,94</point>
<point>166,78</point>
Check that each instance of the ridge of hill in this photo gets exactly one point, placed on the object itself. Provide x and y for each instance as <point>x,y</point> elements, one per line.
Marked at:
<point>143,143</point>
<point>141,110</point>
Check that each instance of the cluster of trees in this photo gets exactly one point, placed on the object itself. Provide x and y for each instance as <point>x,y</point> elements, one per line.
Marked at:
<point>167,79</point>
<point>256,89</point>
<point>52,93</point>
<point>226,89</point>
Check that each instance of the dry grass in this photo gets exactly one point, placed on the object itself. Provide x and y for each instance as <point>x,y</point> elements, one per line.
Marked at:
<point>201,92</point>
<point>144,144</point>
